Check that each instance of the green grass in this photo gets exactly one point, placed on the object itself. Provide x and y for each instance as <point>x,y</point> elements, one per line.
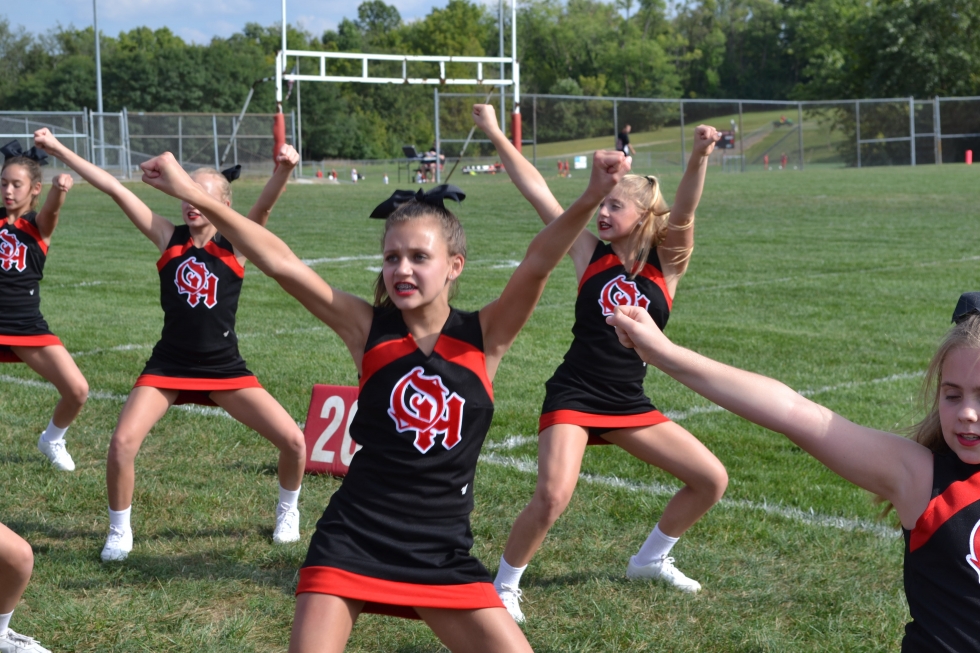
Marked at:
<point>824,279</point>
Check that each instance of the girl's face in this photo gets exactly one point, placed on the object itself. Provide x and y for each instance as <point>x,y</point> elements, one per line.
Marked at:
<point>17,190</point>
<point>193,217</point>
<point>417,266</point>
<point>959,403</point>
<point>617,216</point>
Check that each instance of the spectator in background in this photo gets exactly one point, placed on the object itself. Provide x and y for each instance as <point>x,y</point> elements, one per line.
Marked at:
<point>623,140</point>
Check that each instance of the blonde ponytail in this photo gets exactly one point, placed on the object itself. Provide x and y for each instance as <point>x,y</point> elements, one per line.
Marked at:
<point>651,228</point>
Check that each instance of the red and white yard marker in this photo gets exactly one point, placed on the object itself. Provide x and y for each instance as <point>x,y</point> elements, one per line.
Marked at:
<point>329,447</point>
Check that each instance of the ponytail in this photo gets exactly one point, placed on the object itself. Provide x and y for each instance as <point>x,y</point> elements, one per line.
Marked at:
<point>651,229</point>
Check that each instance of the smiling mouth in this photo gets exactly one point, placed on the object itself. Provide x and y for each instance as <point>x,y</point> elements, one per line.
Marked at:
<point>603,225</point>
<point>405,288</point>
<point>968,439</point>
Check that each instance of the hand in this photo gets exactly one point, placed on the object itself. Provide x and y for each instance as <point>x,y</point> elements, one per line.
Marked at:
<point>44,139</point>
<point>164,173</point>
<point>287,157</point>
<point>637,330</point>
<point>705,137</point>
<point>485,118</point>
<point>63,182</point>
<point>608,168</point>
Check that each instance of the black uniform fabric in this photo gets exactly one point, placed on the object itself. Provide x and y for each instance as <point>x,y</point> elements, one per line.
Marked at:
<point>199,289</point>
<point>22,257</point>
<point>402,512</point>
<point>599,375</point>
<point>942,563</point>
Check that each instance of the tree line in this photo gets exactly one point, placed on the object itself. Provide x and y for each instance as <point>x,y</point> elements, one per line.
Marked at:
<point>753,49</point>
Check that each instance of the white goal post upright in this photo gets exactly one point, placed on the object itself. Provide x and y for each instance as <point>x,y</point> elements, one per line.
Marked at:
<point>478,78</point>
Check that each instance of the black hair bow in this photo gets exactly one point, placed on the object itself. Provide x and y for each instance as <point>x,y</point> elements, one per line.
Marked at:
<point>13,149</point>
<point>968,304</point>
<point>232,173</point>
<point>435,197</point>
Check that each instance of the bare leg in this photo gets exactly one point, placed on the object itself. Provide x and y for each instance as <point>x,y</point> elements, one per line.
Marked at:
<point>143,409</point>
<point>258,410</point>
<point>490,630</point>
<point>322,623</point>
<point>560,451</point>
<point>16,564</point>
<point>673,449</point>
<point>56,365</point>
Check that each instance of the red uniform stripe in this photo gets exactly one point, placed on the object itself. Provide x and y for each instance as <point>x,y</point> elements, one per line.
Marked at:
<point>578,418</point>
<point>45,340</point>
<point>942,508</point>
<point>172,253</point>
<point>603,264</point>
<point>656,276</point>
<point>32,231</point>
<point>228,258</point>
<point>187,383</point>
<point>387,352</point>
<point>464,354</point>
<point>393,597</point>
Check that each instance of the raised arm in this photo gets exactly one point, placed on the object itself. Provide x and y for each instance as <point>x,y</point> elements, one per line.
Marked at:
<point>286,160</point>
<point>530,183</point>
<point>155,227</point>
<point>47,217</point>
<point>884,463</point>
<point>503,318</point>
<point>675,250</point>
<point>346,314</point>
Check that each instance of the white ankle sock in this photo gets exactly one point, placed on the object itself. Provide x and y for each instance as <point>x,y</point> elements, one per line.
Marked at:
<point>5,622</point>
<point>289,498</point>
<point>657,546</point>
<point>53,433</point>
<point>120,519</point>
<point>507,575</point>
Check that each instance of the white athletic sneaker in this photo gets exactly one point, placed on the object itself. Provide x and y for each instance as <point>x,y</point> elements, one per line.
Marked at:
<point>11,642</point>
<point>287,526</point>
<point>512,597</point>
<point>117,545</point>
<point>56,453</point>
<point>662,569</point>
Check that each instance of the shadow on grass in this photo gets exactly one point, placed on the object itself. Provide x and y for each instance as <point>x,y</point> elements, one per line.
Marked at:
<point>573,578</point>
<point>261,469</point>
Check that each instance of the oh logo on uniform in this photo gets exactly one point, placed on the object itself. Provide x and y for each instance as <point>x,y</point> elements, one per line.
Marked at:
<point>621,292</point>
<point>196,281</point>
<point>422,404</point>
<point>972,559</point>
<point>13,253</point>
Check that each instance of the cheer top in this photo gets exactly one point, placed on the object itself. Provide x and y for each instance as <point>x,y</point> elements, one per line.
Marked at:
<point>396,534</point>
<point>22,256</point>
<point>199,289</point>
<point>600,382</point>
<point>942,563</point>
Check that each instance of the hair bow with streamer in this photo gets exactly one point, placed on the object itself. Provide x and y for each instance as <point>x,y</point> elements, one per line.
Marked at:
<point>968,304</point>
<point>232,173</point>
<point>435,197</point>
<point>12,149</point>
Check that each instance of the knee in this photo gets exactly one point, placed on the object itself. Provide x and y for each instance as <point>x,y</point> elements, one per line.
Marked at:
<point>20,559</point>
<point>79,392</point>
<point>549,503</point>
<point>295,445</point>
<point>715,482</point>
<point>123,447</point>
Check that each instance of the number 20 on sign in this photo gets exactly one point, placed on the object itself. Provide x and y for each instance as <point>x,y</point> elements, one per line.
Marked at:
<point>329,447</point>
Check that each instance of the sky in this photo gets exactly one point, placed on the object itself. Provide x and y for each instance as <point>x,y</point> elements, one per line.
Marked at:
<point>194,21</point>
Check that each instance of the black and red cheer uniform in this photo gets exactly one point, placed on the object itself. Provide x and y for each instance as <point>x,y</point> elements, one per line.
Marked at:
<point>22,256</point>
<point>198,349</point>
<point>600,383</point>
<point>396,534</point>
<point>942,563</point>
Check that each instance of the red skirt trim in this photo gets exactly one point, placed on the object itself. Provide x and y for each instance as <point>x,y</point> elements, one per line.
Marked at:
<point>193,390</point>
<point>649,418</point>
<point>395,598</point>
<point>8,356</point>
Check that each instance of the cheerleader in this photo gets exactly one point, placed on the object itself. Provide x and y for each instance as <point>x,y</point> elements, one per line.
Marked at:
<point>25,235</point>
<point>932,480</point>
<point>596,395</point>
<point>197,358</point>
<point>395,537</point>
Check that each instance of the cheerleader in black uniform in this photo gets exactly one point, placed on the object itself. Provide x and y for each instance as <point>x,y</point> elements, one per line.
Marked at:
<point>25,235</point>
<point>596,395</point>
<point>932,481</point>
<point>197,359</point>
<point>395,538</point>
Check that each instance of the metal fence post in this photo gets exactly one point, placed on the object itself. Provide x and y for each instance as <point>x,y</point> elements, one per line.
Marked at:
<point>214,131</point>
<point>683,148</point>
<point>799,128</point>
<point>937,131</point>
<point>615,122</point>
<point>234,130</point>
<point>741,138</point>
<point>180,140</point>
<point>124,154</point>
<point>435,95</point>
<point>534,131</point>
<point>912,127</point>
<point>292,119</point>
<point>857,125</point>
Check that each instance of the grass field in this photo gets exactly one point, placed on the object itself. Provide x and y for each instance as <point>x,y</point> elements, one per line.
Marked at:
<point>839,282</point>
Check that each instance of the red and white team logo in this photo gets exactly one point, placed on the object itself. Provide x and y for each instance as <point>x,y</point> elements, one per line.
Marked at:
<point>972,559</point>
<point>13,253</point>
<point>621,292</point>
<point>423,404</point>
<point>196,281</point>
